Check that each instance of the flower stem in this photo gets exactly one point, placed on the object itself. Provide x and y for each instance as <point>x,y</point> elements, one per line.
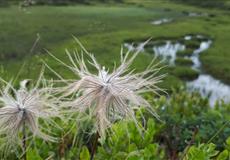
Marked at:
<point>216,134</point>
<point>24,140</point>
<point>94,146</point>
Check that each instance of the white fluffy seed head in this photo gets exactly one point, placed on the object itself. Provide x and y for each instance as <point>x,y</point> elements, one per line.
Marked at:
<point>111,95</point>
<point>26,107</point>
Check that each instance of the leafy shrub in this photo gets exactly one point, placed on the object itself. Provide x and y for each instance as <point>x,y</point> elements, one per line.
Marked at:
<point>127,142</point>
<point>208,152</point>
<point>189,130</point>
<point>225,154</point>
<point>203,151</point>
<point>190,120</point>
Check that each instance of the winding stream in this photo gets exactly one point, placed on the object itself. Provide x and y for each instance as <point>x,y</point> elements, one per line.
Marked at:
<point>168,51</point>
<point>166,20</point>
<point>161,21</point>
<point>205,84</point>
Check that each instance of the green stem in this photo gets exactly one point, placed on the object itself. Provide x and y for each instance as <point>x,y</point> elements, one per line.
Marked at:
<point>225,124</point>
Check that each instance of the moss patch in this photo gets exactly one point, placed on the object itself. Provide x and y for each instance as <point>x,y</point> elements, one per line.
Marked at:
<point>187,52</point>
<point>183,61</point>
<point>185,73</point>
<point>192,44</point>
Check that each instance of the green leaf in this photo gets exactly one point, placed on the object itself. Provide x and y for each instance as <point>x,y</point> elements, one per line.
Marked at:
<point>33,155</point>
<point>84,155</point>
<point>132,147</point>
<point>223,155</point>
<point>135,155</point>
<point>228,141</point>
<point>120,155</point>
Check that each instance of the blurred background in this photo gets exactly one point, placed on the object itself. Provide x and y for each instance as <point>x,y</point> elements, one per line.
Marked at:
<point>190,36</point>
<point>191,39</point>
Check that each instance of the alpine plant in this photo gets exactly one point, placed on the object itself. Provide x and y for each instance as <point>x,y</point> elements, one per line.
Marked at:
<point>110,96</point>
<point>25,108</point>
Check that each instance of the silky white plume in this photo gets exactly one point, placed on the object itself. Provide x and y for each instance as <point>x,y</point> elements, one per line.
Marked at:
<point>110,95</point>
<point>25,107</point>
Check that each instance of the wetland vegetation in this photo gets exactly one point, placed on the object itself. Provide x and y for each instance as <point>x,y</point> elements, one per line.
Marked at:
<point>191,40</point>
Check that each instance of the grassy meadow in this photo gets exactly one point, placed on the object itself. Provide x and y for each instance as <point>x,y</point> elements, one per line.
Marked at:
<point>108,26</point>
<point>103,29</point>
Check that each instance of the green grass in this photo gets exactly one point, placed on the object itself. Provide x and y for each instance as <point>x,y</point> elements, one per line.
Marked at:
<point>192,44</point>
<point>57,24</point>
<point>183,61</point>
<point>185,73</point>
<point>102,29</point>
<point>187,52</point>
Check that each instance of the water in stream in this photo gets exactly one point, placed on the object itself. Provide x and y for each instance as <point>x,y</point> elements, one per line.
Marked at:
<point>168,51</point>
<point>205,84</point>
<point>210,87</point>
<point>161,21</point>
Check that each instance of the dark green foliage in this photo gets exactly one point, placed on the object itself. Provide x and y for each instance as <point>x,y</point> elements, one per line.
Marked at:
<point>192,44</point>
<point>186,121</point>
<point>26,3</point>
<point>207,3</point>
<point>186,116</point>
<point>68,2</point>
<point>127,142</point>
<point>208,152</point>
<point>3,3</point>
<point>60,2</point>
<point>225,154</point>
<point>155,43</point>
<point>186,52</point>
<point>185,73</point>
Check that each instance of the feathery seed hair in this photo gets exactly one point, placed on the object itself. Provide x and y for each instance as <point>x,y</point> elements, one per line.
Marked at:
<point>111,95</point>
<point>24,106</point>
